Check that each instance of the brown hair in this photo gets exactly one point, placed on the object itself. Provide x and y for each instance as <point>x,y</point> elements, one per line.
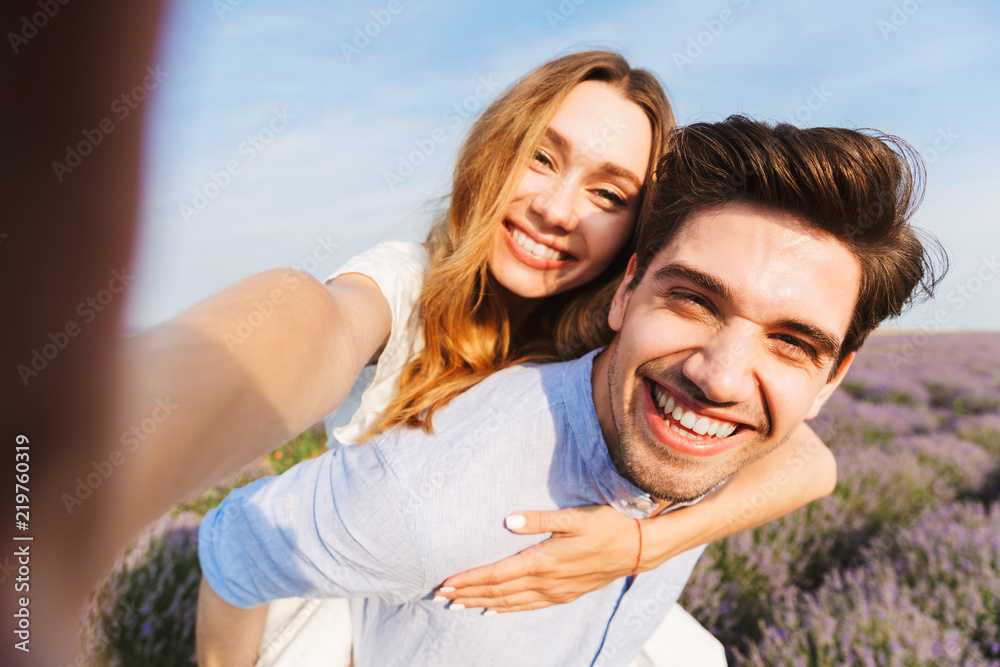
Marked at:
<point>860,186</point>
<point>466,327</point>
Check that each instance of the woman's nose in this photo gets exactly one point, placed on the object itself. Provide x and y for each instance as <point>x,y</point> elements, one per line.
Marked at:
<point>555,206</point>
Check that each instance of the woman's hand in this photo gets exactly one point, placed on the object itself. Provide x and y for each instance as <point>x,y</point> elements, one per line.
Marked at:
<point>590,547</point>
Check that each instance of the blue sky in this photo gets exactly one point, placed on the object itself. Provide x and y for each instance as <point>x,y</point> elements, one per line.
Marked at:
<point>310,117</point>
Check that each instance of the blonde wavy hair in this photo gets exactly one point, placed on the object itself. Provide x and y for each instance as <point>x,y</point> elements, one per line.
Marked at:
<point>466,326</point>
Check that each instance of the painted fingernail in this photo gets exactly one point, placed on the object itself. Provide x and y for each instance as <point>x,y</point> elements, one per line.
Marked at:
<point>457,606</point>
<point>515,521</point>
<point>439,598</point>
<point>490,612</point>
<point>446,589</point>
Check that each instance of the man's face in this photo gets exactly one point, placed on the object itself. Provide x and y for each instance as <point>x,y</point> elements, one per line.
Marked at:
<point>724,347</point>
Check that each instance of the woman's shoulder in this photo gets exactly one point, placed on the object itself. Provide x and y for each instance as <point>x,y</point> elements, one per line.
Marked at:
<point>399,255</point>
<point>397,267</point>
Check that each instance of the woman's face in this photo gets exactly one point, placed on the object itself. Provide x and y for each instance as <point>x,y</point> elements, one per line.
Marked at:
<point>577,202</point>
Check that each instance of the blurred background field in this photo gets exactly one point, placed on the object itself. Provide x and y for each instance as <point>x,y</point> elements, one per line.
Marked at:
<point>899,566</point>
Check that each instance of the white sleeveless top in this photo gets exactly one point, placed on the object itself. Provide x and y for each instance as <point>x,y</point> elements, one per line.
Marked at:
<point>398,268</point>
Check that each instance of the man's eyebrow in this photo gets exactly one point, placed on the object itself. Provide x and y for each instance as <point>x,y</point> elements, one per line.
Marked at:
<point>706,281</point>
<point>826,343</point>
<point>611,168</point>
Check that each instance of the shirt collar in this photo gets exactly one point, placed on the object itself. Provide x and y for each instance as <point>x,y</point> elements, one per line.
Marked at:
<point>617,491</point>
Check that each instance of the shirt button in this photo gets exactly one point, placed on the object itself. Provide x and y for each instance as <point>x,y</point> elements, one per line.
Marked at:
<point>643,504</point>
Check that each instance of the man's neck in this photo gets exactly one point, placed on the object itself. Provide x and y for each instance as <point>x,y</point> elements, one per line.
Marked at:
<point>602,400</point>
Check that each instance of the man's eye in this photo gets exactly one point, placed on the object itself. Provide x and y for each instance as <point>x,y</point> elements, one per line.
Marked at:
<point>610,196</point>
<point>689,302</point>
<point>693,298</point>
<point>795,347</point>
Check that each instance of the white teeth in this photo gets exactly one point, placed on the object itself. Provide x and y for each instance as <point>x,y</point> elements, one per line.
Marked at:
<point>689,419</point>
<point>537,249</point>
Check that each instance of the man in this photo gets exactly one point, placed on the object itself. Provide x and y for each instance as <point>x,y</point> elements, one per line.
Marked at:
<point>769,256</point>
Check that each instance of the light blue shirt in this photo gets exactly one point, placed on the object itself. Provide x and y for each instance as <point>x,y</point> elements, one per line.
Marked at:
<point>386,522</point>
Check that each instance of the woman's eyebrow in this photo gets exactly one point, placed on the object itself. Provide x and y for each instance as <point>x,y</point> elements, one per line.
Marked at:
<point>559,140</point>
<point>622,172</point>
<point>611,168</point>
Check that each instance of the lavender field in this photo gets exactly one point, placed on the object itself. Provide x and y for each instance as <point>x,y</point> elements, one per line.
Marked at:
<point>900,566</point>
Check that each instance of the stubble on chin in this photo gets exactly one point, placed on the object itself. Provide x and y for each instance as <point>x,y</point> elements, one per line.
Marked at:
<point>651,467</point>
<point>658,479</point>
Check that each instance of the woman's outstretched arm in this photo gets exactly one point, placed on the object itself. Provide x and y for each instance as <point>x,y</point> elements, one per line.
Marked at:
<point>237,375</point>
<point>592,546</point>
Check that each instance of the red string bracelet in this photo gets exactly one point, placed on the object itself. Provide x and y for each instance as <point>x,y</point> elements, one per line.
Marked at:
<point>635,571</point>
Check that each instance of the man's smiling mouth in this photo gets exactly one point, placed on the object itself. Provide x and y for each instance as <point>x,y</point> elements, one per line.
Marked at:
<point>686,421</point>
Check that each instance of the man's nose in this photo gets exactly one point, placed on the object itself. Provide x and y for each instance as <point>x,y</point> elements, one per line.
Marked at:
<point>723,365</point>
<point>555,205</point>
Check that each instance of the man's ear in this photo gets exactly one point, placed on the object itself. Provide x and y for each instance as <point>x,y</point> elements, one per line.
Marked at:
<point>830,386</point>
<point>616,316</point>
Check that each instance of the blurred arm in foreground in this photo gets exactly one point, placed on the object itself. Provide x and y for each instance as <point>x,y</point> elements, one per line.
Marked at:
<point>68,224</point>
<point>174,408</point>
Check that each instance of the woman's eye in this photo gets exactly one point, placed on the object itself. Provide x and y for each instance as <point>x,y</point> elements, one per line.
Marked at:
<point>542,158</point>
<point>611,196</point>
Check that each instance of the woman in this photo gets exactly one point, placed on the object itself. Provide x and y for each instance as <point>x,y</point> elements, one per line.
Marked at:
<point>522,267</point>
